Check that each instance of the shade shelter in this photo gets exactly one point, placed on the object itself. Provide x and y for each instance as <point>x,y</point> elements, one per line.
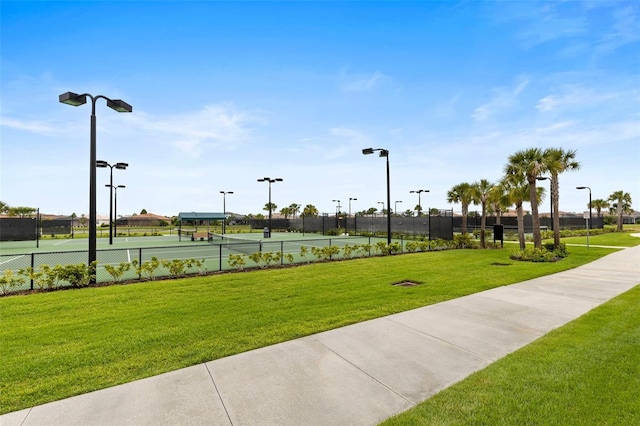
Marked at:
<point>198,218</point>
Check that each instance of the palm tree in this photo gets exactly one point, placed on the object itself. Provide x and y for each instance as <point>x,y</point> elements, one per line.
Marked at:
<point>529,163</point>
<point>499,200</point>
<point>621,201</point>
<point>481,191</point>
<point>516,191</point>
<point>461,193</point>
<point>310,211</point>
<point>558,161</point>
<point>598,204</point>
<point>295,209</point>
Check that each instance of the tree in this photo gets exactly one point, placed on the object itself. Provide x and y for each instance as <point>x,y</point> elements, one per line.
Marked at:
<point>270,207</point>
<point>499,200</point>
<point>558,161</point>
<point>4,207</point>
<point>530,163</point>
<point>408,213</point>
<point>517,192</point>
<point>310,211</point>
<point>21,211</point>
<point>295,209</point>
<point>143,211</point>
<point>598,204</point>
<point>461,193</point>
<point>621,202</point>
<point>286,212</point>
<point>480,192</point>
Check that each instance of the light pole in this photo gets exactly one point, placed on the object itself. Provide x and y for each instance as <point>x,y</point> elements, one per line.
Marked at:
<point>118,105</point>
<point>115,208</point>
<point>224,208</point>
<point>351,199</point>
<point>384,153</point>
<point>395,208</point>
<point>550,198</point>
<point>119,166</point>
<point>419,191</point>
<point>270,180</point>
<point>588,224</point>
<point>382,202</point>
<point>337,212</point>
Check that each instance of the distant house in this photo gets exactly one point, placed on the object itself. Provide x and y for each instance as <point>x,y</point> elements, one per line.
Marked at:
<point>147,219</point>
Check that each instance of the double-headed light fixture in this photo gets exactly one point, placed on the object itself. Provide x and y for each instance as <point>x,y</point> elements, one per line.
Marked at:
<point>419,191</point>
<point>384,153</point>
<point>224,208</point>
<point>119,166</point>
<point>118,105</point>
<point>270,180</point>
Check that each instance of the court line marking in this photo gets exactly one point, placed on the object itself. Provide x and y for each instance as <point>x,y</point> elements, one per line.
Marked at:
<point>11,260</point>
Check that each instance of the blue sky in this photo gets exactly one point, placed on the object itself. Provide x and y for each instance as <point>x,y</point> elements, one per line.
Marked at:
<point>225,93</point>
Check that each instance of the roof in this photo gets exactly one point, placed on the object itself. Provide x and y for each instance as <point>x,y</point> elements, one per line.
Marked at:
<point>147,216</point>
<point>201,216</point>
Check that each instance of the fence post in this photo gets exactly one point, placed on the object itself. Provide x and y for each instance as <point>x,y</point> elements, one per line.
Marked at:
<point>32,266</point>
<point>282,252</point>
<point>140,264</point>
<point>220,256</point>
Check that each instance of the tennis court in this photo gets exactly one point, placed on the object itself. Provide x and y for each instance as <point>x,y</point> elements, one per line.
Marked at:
<point>214,251</point>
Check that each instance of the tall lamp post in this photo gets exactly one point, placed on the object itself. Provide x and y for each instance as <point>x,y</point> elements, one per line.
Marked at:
<point>115,207</point>
<point>395,208</point>
<point>119,166</point>
<point>550,198</point>
<point>384,153</point>
<point>588,224</point>
<point>337,212</point>
<point>351,199</point>
<point>224,208</point>
<point>419,191</point>
<point>270,180</point>
<point>118,105</point>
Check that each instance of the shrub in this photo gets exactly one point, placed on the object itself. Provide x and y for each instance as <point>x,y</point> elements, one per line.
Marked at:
<point>176,267</point>
<point>194,263</point>
<point>117,272</point>
<point>9,279</point>
<point>78,275</point>
<point>237,261</point>
<point>45,277</point>
<point>464,241</point>
<point>148,268</point>
<point>304,252</point>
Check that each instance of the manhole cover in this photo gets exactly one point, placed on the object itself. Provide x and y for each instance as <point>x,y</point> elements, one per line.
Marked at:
<point>406,284</point>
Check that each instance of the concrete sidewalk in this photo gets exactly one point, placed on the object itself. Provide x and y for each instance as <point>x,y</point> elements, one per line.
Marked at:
<point>356,375</point>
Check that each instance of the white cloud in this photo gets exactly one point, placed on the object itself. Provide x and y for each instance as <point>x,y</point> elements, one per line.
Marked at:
<point>362,82</point>
<point>38,127</point>
<point>502,99</point>
<point>625,29</point>
<point>218,126</point>
<point>571,96</point>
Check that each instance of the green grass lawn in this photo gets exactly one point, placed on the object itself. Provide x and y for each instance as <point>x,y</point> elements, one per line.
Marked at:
<point>620,239</point>
<point>63,343</point>
<point>585,373</point>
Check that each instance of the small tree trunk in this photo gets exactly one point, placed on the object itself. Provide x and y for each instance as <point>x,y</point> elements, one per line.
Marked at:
<point>520,224</point>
